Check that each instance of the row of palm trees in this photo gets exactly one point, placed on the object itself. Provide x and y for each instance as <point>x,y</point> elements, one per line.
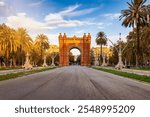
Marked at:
<point>15,44</point>
<point>136,16</point>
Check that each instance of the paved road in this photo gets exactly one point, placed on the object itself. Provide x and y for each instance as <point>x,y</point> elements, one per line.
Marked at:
<point>73,82</point>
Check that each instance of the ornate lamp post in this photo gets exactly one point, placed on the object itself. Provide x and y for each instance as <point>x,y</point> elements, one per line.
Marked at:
<point>120,64</point>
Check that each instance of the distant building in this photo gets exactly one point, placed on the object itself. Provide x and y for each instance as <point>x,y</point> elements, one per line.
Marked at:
<point>96,54</point>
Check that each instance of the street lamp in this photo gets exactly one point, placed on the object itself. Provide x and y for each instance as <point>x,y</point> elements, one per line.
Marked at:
<point>120,64</point>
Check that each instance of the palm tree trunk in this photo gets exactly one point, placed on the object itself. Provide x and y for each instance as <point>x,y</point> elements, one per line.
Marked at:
<point>101,56</point>
<point>138,46</point>
<point>41,55</point>
<point>19,56</point>
<point>0,62</point>
<point>22,55</point>
<point>14,61</point>
<point>7,57</point>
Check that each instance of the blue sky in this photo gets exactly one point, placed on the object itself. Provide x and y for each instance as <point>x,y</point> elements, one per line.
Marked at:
<point>74,17</point>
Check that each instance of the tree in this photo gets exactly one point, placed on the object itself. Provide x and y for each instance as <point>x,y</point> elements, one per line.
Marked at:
<point>145,44</point>
<point>53,51</point>
<point>9,43</point>
<point>101,40</point>
<point>25,41</point>
<point>133,16</point>
<point>42,43</point>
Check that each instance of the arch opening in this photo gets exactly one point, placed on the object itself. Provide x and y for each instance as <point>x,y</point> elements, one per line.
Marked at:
<point>74,56</point>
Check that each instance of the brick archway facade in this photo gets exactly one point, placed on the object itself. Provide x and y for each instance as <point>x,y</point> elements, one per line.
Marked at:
<point>67,43</point>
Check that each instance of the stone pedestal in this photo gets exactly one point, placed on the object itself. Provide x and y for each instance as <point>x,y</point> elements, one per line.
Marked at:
<point>104,63</point>
<point>11,63</point>
<point>53,64</point>
<point>27,64</point>
<point>120,64</point>
<point>96,63</point>
<point>44,64</point>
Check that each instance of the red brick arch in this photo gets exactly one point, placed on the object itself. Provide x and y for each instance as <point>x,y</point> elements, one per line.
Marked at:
<point>67,43</point>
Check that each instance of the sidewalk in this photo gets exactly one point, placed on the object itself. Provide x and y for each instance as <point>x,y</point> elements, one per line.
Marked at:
<point>4,72</point>
<point>139,72</point>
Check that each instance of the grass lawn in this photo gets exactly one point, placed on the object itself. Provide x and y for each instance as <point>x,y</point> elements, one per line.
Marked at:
<point>16,75</point>
<point>146,69</point>
<point>10,68</point>
<point>127,75</point>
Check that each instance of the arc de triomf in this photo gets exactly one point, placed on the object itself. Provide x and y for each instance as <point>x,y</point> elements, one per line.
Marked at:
<point>68,43</point>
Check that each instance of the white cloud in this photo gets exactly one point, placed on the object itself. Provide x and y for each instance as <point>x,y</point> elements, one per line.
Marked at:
<point>2,3</point>
<point>62,23</point>
<point>34,4</point>
<point>5,9</point>
<point>80,12</point>
<point>51,21</point>
<point>53,38</point>
<point>100,27</point>
<point>112,15</point>
<point>69,10</point>
<point>108,23</point>
<point>22,20</point>
<point>58,20</point>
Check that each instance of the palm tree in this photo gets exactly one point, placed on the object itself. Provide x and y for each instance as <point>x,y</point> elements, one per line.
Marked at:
<point>1,45</point>
<point>133,16</point>
<point>42,43</point>
<point>8,42</point>
<point>14,45</point>
<point>101,40</point>
<point>146,13</point>
<point>25,40</point>
<point>5,42</point>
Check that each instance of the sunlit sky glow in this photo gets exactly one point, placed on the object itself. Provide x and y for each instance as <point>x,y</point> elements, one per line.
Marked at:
<point>74,17</point>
